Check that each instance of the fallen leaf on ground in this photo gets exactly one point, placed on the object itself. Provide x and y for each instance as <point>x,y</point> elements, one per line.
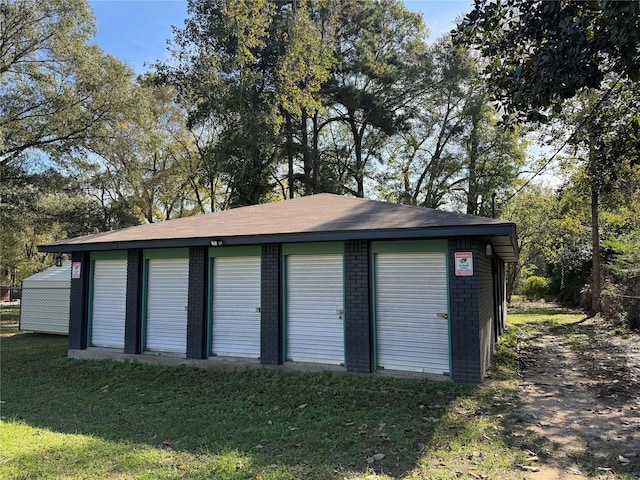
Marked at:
<point>374,457</point>
<point>477,475</point>
<point>529,468</point>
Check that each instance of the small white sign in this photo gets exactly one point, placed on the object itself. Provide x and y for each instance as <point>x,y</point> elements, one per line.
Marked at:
<point>76,268</point>
<point>464,264</point>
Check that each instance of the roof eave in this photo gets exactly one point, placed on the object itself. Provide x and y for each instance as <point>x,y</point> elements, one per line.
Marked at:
<point>508,251</point>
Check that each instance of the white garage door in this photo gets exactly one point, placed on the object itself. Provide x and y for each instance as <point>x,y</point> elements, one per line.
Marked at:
<point>315,324</point>
<point>109,303</point>
<point>411,312</point>
<point>167,298</point>
<point>236,306</point>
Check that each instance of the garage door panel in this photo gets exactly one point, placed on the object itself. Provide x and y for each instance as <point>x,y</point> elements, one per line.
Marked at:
<point>236,296</point>
<point>411,293</point>
<point>315,325</point>
<point>109,303</point>
<point>167,298</point>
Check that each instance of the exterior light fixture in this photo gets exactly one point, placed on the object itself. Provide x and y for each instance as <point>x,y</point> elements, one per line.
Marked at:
<point>216,243</point>
<point>59,259</point>
<point>488,250</point>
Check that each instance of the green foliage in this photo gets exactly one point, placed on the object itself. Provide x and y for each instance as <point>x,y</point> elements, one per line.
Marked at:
<point>380,65</point>
<point>58,92</point>
<point>260,59</point>
<point>266,99</point>
<point>453,152</point>
<point>293,77</point>
<point>621,295</point>
<point>541,53</point>
<point>39,207</point>
<point>535,212</point>
<point>535,288</point>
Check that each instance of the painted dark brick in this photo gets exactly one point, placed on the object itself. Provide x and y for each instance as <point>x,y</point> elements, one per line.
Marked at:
<point>464,322</point>
<point>197,299</point>
<point>358,339</point>
<point>484,277</point>
<point>133,308</point>
<point>79,303</point>
<point>271,309</point>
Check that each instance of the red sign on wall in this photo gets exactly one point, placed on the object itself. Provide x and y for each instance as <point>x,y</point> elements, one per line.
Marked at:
<point>76,269</point>
<point>464,264</point>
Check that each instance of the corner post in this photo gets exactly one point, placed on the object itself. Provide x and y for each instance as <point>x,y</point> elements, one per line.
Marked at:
<point>79,302</point>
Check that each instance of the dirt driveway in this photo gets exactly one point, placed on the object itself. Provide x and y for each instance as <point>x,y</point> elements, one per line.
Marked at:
<point>580,394</point>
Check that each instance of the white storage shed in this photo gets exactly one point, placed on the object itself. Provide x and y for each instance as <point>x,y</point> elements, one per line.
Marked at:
<point>45,300</point>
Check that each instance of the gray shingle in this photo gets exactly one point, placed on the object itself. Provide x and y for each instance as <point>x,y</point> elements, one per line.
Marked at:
<point>320,214</point>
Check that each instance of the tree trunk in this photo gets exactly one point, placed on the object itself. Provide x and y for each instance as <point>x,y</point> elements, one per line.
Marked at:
<point>358,171</point>
<point>596,285</point>
<point>316,154</point>
<point>513,270</point>
<point>306,157</point>
<point>289,134</point>
<point>472,194</point>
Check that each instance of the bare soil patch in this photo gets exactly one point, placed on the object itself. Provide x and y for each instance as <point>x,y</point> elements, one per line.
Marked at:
<point>580,395</point>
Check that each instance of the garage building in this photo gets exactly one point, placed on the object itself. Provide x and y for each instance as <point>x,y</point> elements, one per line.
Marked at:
<point>44,306</point>
<point>323,281</point>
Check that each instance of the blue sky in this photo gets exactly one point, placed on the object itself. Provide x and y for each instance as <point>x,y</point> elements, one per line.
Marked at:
<point>136,31</point>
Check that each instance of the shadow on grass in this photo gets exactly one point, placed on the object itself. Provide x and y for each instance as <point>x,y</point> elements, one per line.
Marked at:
<point>541,311</point>
<point>317,425</point>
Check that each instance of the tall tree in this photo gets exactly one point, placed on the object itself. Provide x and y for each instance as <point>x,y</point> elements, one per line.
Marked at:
<point>262,62</point>
<point>605,143</point>
<point>380,68</point>
<point>535,211</point>
<point>539,53</point>
<point>57,91</point>
<point>454,151</point>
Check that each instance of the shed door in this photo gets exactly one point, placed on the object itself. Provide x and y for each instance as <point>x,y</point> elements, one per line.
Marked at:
<point>167,297</point>
<point>109,303</point>
<point>236,306</point>
<point>411,312</point>
<point>315,325</point>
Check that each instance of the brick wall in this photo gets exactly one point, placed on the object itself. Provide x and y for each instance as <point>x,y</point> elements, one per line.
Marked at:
<point>133,320</point>
<point>358,342</point>
<point>79,303</point>
<point>197,303</point>
<point>486,309</point>
<point>464,321</point>
<point>501,292</point>
<point>271,310</point>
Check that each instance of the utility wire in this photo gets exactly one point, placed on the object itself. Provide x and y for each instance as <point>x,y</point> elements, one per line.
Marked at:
<point>576,130</point>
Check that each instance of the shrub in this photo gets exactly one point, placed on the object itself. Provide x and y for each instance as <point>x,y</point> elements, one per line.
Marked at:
<point>535,288</point>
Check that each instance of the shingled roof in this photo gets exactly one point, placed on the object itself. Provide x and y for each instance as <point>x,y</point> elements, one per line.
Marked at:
<point>322,217</point>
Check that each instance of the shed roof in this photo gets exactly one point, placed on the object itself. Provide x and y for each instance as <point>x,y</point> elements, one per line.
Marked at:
<point>52,274</point>
<point>322,217</point>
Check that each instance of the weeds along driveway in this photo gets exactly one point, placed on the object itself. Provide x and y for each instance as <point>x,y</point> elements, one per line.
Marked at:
<point>579,394</point>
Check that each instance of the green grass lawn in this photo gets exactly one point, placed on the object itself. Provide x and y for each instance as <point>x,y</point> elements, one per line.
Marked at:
<point>9,318</point>
<point>72,419</point>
